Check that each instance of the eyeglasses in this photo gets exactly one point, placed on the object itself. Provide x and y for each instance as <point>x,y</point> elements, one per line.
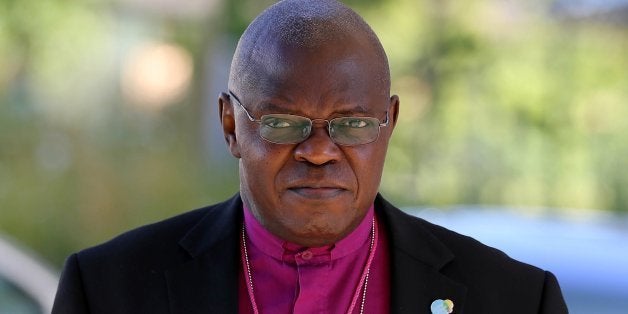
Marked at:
<point>292,129</point>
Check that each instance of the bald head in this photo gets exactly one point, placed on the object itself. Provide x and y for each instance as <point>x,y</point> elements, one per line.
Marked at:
<point>301,25</point>
<point>299,64</point>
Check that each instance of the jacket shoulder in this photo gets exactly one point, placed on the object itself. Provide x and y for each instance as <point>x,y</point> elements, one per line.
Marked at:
<point>493,279</point>
<point>157,242</point>
<point>465,250</point>
<point>474,253</point>
<point>476,258</point>
<point>493,276</point>
<point>127,274</point>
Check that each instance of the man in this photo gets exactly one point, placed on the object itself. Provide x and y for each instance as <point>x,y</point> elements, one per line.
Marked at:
<point>308,113</point>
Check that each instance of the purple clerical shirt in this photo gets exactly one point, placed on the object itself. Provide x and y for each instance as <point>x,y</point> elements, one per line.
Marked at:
<point>289,278</point>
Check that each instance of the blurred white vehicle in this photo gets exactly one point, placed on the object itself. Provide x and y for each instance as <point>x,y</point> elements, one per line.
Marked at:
<point>27,285</point>
<point>589,256</point>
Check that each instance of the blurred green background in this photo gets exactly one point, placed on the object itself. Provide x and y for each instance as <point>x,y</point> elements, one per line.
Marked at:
<point>108,116</point>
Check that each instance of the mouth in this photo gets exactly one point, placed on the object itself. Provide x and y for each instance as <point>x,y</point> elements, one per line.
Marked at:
<point>317,192</point>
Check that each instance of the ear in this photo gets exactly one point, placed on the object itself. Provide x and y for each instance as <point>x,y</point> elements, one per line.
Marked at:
<point>227,120</point>
<point>394,109</point>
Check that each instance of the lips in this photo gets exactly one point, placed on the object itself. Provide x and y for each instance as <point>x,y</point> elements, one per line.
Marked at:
<point>317,192</point>
<point>320,183</point>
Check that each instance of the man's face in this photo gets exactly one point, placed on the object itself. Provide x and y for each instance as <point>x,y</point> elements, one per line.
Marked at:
<point>315,192</point>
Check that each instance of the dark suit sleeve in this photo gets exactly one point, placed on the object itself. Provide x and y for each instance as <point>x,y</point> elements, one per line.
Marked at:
<point>70,297</point>
<point>552,302</point>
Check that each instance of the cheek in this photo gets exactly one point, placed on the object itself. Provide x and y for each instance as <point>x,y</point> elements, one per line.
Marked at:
<point>260,161</point>
<point>253,148</point>
<point>368,165</point>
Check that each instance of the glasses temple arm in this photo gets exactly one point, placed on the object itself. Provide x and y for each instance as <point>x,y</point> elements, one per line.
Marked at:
<point>231,95</point>
<point>385,123</point>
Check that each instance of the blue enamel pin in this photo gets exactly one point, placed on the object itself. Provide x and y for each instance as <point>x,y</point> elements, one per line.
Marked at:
<point>442,306</point>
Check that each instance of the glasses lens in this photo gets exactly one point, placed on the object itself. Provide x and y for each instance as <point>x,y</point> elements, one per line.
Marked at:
<point>354,130</point>
<point>284,128</point>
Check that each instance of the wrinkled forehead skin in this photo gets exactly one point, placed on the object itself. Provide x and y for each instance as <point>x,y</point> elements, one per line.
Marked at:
<point>273,45</point>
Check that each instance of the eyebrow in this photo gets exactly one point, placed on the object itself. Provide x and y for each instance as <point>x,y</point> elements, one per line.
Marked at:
<point>271,107</point>
<point>348,110</point>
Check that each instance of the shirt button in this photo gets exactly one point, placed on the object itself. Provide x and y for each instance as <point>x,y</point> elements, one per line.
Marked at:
<point>306,255</point>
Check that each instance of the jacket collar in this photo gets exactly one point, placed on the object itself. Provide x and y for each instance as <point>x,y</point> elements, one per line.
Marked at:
<point>208,281</point>
<point>418,259</point>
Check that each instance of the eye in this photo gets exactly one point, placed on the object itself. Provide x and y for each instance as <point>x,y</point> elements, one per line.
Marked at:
<point>354,123</point>
<point>278,123</point>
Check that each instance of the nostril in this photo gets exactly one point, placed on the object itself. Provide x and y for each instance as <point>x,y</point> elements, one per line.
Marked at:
<point>318,149</point>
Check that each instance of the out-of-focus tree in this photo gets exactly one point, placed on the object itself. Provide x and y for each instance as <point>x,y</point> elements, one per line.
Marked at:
<point>100,119</point>
<point>108,109</point>
<point>506,102</point>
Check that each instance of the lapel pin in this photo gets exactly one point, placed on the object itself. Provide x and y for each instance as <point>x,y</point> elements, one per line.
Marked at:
<point>442,306</point>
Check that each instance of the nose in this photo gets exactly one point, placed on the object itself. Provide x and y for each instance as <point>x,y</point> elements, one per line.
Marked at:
<point>318,148</point>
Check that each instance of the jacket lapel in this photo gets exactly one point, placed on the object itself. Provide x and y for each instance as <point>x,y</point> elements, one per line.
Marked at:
<point>417,260</point>
<point>208,281</point>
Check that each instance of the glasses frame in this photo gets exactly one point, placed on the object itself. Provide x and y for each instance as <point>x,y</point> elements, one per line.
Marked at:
<point>329,132</point>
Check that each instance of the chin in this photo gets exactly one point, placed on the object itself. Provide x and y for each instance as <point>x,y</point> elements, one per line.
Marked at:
<point>316,240</point>
<point>319,233</point>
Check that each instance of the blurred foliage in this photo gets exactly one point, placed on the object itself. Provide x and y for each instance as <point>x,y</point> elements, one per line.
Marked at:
<point>77,163</point>
<point>502,102</point>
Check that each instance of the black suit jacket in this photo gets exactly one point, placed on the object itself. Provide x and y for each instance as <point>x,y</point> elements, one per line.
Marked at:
<point>190,263</point>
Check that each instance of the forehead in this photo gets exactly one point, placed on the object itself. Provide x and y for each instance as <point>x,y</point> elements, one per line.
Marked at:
<point>340,73</point>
